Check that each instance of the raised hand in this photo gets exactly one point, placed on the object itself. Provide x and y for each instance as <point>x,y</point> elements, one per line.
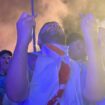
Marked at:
<point>89,27</point>
<point>89,24</point>
<point>24,28</point>
<point>101,37</point>
<point>101,40</point>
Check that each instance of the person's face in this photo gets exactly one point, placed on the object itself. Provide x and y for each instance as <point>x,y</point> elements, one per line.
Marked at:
<point>4,62</point>
<point>77,50</point>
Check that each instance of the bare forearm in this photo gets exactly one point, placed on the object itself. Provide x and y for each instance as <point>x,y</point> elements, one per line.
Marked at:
<point>17,78</point>
<point>94,78</point>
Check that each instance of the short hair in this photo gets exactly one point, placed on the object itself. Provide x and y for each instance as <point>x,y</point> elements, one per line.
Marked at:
<point>51,32</point>
<point>73,37</point>
<point>5,52</point>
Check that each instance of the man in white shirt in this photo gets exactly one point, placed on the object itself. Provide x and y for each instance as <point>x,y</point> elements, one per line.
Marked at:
<point>51,71</point>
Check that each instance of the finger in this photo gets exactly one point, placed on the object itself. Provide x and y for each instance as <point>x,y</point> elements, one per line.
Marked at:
<point>24,15</point>
<point>30,20</point>
<point>90,16</point>
<point>27,17</point>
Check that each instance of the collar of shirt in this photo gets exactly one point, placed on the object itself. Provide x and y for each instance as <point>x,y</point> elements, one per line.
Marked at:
<point>49,52</point>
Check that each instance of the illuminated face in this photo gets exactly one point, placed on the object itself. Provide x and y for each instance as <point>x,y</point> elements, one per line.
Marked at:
<point>77,50</point>
<point>4,62</point>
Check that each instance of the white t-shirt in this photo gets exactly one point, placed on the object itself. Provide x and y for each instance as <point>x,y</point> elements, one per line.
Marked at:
<point>45,80</point>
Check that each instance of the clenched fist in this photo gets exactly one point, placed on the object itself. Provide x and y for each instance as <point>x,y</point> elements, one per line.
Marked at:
<point>24,28</point>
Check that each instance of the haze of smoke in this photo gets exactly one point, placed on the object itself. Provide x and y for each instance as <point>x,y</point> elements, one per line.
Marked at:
<point>66,12</point>
<point>71,23</point>
<point>47,11</point>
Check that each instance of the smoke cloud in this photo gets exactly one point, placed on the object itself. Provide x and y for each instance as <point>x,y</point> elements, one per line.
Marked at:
<point>71,22</point>
<point>66,12</point>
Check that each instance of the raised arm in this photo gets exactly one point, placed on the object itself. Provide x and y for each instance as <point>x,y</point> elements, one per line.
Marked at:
<point>17,83</point>
<point>94,86</point>
<point>101,41</point>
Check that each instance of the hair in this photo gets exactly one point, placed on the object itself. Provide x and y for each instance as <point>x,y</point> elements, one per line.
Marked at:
<point>5,52</point>
<point>73,37</point>
<point>51,32</point>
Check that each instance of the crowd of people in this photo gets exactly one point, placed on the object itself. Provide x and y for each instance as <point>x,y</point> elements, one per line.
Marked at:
<point>68,69</point>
